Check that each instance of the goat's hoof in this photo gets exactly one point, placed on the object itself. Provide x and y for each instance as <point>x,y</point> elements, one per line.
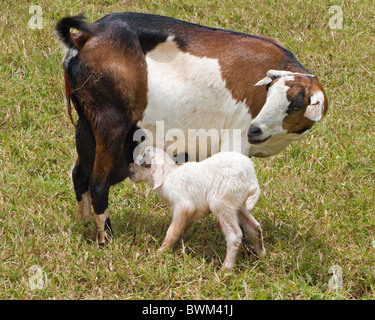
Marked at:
<point>104,238</point>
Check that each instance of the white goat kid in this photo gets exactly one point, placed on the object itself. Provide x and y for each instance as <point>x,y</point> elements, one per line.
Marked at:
<point>224,184</point>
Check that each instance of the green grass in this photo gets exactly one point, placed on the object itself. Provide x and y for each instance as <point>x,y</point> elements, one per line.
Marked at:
<point>317,202</point>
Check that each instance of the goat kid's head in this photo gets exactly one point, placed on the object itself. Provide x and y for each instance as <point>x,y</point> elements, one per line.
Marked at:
<point>149,166</point>
<point>294,103</point>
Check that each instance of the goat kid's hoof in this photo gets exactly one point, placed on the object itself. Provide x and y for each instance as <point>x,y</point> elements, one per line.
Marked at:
<point>162,250</point>
<point>227,269</point>
<point>260,252</point>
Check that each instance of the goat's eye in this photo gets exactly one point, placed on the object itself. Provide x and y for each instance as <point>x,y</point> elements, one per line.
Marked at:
<point>295,107</point>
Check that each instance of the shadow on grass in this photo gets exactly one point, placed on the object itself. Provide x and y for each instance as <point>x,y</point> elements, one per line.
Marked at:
<point>284,244</point>
<point>202,241</point>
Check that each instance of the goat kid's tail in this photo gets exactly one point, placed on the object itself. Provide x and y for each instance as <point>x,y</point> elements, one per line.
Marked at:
<point>74,40</point>
<point>253,197</point>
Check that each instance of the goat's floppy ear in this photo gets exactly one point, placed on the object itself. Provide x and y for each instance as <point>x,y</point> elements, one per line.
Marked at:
<point>157,170</point>
<point>314,111</point>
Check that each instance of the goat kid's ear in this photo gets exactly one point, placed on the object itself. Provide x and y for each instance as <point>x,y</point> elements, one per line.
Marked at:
<point>157,170</point>
<point>157,175</point>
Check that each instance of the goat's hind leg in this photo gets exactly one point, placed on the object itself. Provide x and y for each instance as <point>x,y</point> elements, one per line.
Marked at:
<point>81,187</point>
<point>254,230</point>
<point>85,144</point>
<point>251,226</point>
<point>227,217</point>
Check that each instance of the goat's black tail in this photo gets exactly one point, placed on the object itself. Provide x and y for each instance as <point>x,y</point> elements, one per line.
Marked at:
<point>72,40</point>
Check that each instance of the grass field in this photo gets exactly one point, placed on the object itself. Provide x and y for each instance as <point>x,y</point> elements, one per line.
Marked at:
<point>317,202</point>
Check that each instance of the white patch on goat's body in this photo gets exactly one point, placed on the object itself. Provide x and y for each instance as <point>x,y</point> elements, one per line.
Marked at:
<point>188,92</point>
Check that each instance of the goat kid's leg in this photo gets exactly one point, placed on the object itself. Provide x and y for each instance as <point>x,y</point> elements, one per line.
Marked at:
<point>233,234</point>
<point>254,230</point>
<point>251,226</point>
<point>180,223</point>
<point>81,188</point>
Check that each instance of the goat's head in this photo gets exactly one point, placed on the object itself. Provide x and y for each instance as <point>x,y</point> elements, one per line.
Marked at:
<point>294,103</point>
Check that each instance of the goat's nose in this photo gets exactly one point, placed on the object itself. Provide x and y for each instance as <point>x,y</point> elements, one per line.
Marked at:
<point>254,131</point>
